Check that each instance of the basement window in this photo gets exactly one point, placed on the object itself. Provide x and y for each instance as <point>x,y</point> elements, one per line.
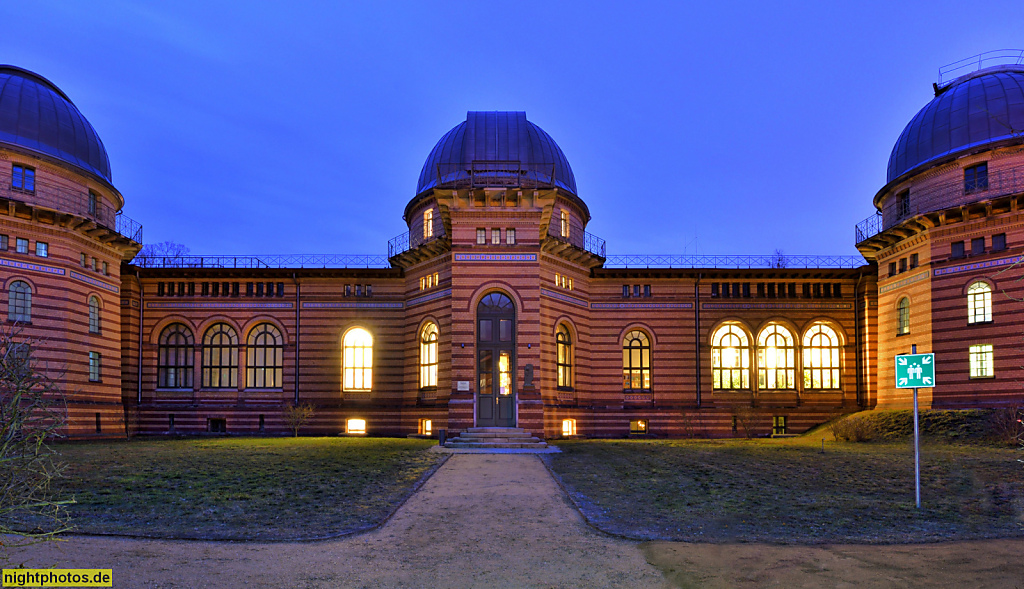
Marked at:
<point>779,425</point>
<point>355,426</point>
<point>217,426</point>
<point>568,427</point>
<point>638,426</point>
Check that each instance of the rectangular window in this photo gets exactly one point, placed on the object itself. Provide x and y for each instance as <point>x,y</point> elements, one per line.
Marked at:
<point>625,291</point>
<point>159,289</point>
<point>826,290</point>
<point>837,290</point>
<point>736,290</point>
<point>348,290</point>
<point>817,291</point>
<point>779,425</point>
<point>170,422</point>
<point>977,246</point>
<point>259,289</point>
<point>726,290</point>
<point>23,178</point>
<point>99,424</point>
<point>94,203</point>
<point>42,249</point>
<point>647,289</point>
<point>998,242</point>
<point>206,289</point>
<point>638,426</point>
<point>106,269</point>
<point>636,290</point>
<point>423,283</point>
<point>903,265</point>
<point>215,289</point>
<point>359,290</point>
<point>807,290</point>
<point>3,243</point>
<point>191,285</point>
<point>892,268</point>
<point>94,366</point>
<point>248,289</point>
<point>83,259</point>
<point>181,289</point>
<point>771,290</point>
<point>217,426</point>
<point>481,236</point>
<point>956,249</point>
<point>746,290</point>
<point>976,178</point>
<point>263,423</point>
<point>270,289</point>
<point>21,245</point>
<point>761,291</point>
<point>913,260</point>
<point>437,279</point>
<point>280,289</point>
<point>792,290</point>
<point>982,365</point>
<point>903,204</point>
<point>510,236</point>
<point>714,290</point>
<point>92,264</point>
<point>369,290</point>
<point>495,236</point>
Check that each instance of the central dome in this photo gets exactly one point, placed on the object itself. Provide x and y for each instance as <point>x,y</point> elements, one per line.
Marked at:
<point>491,143</point>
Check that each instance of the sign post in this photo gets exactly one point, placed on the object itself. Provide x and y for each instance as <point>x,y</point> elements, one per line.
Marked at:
<point>912,371</point>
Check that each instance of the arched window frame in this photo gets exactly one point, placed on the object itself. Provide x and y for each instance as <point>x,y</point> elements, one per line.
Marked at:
<point>220,357</point>
<point>94,314</point>
<point>776,358</point>
<point>357,361</point>
<point>979,302</point>
<point>428,355</point>
<point>19,302</point>
<point>903,316</point>
<point>563,357</point>
<point>175,357</point>
<point>264,357</point>
<point>730,358</point>
<point>821,358</point>
<point>636,361</point>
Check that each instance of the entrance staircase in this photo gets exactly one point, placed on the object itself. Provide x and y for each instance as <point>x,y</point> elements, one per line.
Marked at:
<point>496,437</point>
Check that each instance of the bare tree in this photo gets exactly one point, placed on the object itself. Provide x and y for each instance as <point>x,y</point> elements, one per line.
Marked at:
<point>779,259</point>
<point>296,416</point>
<point>168,249</point>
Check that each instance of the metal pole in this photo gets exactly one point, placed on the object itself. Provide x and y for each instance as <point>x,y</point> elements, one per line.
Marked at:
<point>917,445</point>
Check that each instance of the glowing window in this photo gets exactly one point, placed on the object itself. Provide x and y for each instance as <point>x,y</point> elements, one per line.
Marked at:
<point>568,427</point>
<point>220,357</point>
<point>776,358</point>
<point>428,223</point>
<point>355,426</point>
<point>428,355</point>
<point>638,426</point>
<point>265,358</point>
<point>357,360</point>
<point>903,316</point>
<point>19,302</point>
<point>174,358</point>
<point>821,358</point>
<point>730,358</point>
<point>565,224</point>
<point>982,362</point>
<point>94,314</point>
<point>563,345</point>
<point>979,303</point>
<point>636,362</point>
<point>426,427</point>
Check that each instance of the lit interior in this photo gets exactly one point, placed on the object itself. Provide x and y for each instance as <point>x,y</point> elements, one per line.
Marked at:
<point>568,427</point>
<point>357,426</point>
<point>358,360</point>
<point>427,427</point>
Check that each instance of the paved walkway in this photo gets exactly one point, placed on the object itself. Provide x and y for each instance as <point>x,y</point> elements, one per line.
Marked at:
<point>482,520</point>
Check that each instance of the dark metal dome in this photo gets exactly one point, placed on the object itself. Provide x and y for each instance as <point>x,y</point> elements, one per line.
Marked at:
<point>971,113</point>
<point>35,115</point>
<point>488,142</point>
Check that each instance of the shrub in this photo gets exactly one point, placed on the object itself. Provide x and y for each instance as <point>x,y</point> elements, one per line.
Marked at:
<point>296,416</point>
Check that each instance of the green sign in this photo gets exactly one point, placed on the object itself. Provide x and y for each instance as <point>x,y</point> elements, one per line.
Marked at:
<point>915,370</point>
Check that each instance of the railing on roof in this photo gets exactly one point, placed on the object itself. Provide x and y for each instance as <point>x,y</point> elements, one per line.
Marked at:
<point>950,72</point>
<point>128,227</point>
<point>416,237</point>
<point>497,173</point>
<point>752,262</point>
<point>935,197</point>
<point>58,197</point>
<point>264,261</point>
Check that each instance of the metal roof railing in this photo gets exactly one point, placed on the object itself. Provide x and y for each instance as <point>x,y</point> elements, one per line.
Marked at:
<point>265,261</point>
<point>952,71</point>
<point>733,262</point>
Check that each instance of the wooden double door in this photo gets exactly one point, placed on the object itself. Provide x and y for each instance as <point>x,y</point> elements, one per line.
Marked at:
<point>496,361</point>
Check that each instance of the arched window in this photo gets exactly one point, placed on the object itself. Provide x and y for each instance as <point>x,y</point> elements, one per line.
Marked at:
<point>94,314</point>
<point>428,224</point>
<point>776,358</point>
<point>903,316</point>
<point>174,358</point>
<point>357,358</point>
<point>428,356</point>
<point>265,357</point>
<point>19,302</point>
<point>565,223</point>
<point>979,303</point>
<point>636,362</point>
<point>730,358</point>
<point>220,357</point>
<point>821,358</point>
<point>563,345</point>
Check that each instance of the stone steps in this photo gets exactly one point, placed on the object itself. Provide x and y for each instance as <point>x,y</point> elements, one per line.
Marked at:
<point>496,437</point>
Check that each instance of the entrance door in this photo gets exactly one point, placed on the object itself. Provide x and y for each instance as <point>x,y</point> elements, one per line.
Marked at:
<point>496,397</point>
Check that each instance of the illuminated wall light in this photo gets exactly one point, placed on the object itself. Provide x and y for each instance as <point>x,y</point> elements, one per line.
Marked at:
<point>568,427</point>
<point>356,426</point>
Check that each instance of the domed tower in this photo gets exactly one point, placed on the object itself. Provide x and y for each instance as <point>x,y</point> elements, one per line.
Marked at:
<point>948,238</point>
<point>62,240</point>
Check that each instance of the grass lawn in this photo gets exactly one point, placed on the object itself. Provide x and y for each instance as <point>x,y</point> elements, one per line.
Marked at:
<point>249,488</point>
<point>786,490</point>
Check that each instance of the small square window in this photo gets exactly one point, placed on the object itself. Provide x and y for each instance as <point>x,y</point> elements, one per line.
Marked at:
<point>3,243</point>
<point>495,236</point>
<point>481,236</point>
<point>977,246</point>
<point>21,245</point>
<point>638,426</point>
<point>956,249</point>
<point>23,178</point>
<point>568,428</point>
<point>355,426</point>
<point>998,242</point>
<point>42,249</point>
<point>217,426</point>
<point>510,236</point>
<point>913,260</point>
<point>976,178</point>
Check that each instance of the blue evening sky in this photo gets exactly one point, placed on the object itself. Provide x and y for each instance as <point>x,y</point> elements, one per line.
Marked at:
<point>301,127</point>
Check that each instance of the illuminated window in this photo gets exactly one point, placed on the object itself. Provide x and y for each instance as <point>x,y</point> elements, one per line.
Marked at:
<point>23,178</point>
<point>636,362</point>
<point>730,358</point>
<point>265,357</point>
<point>565,224</point>
<point>19,302</point>
<point>510,236</point>
<point>94,366</point>
<point>903,316</point>
<point>496,236</point>
<point>426,427</point>
<point>821,358</point>
<point>638,426</point>
<point>358,360</point>
<point>174,358</point>
<point>428,223</point>
<point>428,356</point>
<point>355,426</point>
<point>430,281</point>
<point>982,365</point>
<point>779,425</point>
<point>568,427</point>
<point>423,283</point>
<point>220,357</point>
<point>563,345</point>
<point>481,236</point>
<point>776,358</point>
<point>979,303</point>
<point>94,314</point>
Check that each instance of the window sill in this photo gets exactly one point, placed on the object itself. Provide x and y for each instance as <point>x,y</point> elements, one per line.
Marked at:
<point>902,334</point>
<point>569,389</point>
<point>988,377</point>
<point>172,390</point>
<point>265,390</point>
<point>989,322</point>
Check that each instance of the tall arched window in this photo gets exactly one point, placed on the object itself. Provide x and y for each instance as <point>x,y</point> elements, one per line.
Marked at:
<point>357,358</point>
<point>220,357</point>
<point>428,224</point>
<point>979,303</point>
<point>903,316</point>
<point>265,357</point>
<point>563,361</point>
<point>821,358</point>
<point>428,355</point>
<point>636,362</point>
<point>730,358</point>
<point>19,302</point>
<point>776,358</point>
<point>94,314</point>
<point>174,358</point>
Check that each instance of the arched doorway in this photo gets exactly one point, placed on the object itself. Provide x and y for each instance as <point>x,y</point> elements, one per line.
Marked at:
<point>496,361</point>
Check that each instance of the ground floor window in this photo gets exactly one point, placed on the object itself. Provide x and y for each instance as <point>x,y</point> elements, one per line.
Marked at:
<point>779,425</point>
<point>982,361</point>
